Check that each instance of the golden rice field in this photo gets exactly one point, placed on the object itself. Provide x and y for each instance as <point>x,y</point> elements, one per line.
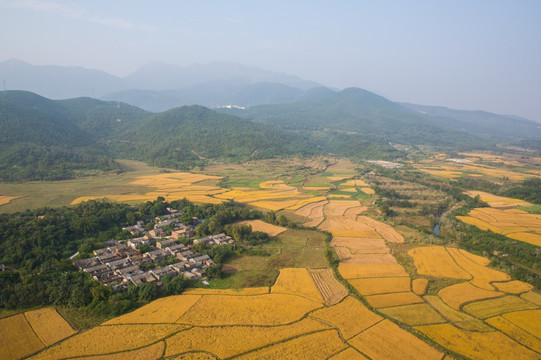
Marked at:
<point>349,316</point>
<point>259,225</point>
<point>330,289</point>
<point>515,332</point>
<point>271,309</point>
<point>497,201</point>
<point>386,340</point>
<point>355,182</point>
<point>164,310</point>
<point>529,321</point>
<point>151,352</point>
<point>393,299</point>
<point>339,207</point>
<point>48,325</point>
<point>456,295</point>
<point>436,261</point>
<point>513,287</point>
<point>477,345</point>
<point>227,341</point>
<point>482,275</point>
<point>417,314</point>
<point>368,191</point>
<point>17,339</point>
<point>419,286</point>
<point>358,271</point>
<point>348,354</point>
<point>238,292</point>
<point>319,345</point>
<point>171,186</point>
<point>109,339</point>
<point>532,297</point>
<point>373,286</point>
<point>492,307</point>
<point>296,281</point>
<point>457,318</point>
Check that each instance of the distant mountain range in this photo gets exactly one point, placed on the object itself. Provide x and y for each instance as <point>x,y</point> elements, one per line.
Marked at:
<point>157,86</point>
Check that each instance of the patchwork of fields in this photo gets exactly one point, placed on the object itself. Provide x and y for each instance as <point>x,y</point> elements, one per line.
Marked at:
<point>479,312</point>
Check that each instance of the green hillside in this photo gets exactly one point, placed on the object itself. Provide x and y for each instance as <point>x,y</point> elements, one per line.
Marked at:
<point>358,111</point>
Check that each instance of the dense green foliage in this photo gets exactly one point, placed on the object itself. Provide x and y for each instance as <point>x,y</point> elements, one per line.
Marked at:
<point>529,190</point>
<point>35,246</point>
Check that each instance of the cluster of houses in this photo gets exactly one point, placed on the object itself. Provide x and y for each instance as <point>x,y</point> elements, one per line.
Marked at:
<point>119,263</point>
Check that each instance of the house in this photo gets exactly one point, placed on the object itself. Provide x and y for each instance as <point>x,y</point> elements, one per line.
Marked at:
<point>157,254</point>
<point>163,271</point>
<point>141,278</point>
<point>128,271</point>
<point>118,264</point>
<point>165,243</point>
<point>181,266</point>
<point>85,263</point>
<point>185,255</point>
<point>156,233</point>
<point>133,243</point>
<point>182,231</point>
<point>107,257</point>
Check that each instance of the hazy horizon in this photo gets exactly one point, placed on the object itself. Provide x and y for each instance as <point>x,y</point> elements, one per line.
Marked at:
<point>472,56</point>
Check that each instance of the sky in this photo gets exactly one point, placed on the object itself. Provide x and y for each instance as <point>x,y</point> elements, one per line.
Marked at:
<point>471,55</point>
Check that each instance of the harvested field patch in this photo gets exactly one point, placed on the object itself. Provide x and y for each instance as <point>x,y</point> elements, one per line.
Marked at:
<point>368,191</point>
<point>339,196</point>
<point>515,332</point>
<point>475,345</point>
<point>394,299</point>
<point>361,245</point>
<point>353,233</point>
<point>275,185</point>
<point>330,289</point>
<point>513,287</point>
<point>260,225</point>
<point>319,345</point>
<point>227,341</point>
<point>152,352</point>
<point>353,212</point>
<point>17,338</point>
<point>458,294</point>
<point>312,210</point>
<point>349,189</point>
<point>296,281</point>
<point>7,199</point>
<point>271,309</point>
<point>358,271</point>
<point>164,310</point>
<point>355,182</point>
<point>436,261</point>
<point>350,316</point>
<point>386,340</point>
<point>529,320</point>
<point>386,285</point>
<point>367,259</point>
<point>419,286</point>
<point>482,276</point>
<point>492,307</point>
<point>315,188</point>
<point>238,292</point>
<point>49,325</point>
<point>339,207</point>
<point>274,205</point>
<point>458,318</point>
<point>108,339</point>
<point>303,202</point>
<point>416,314</point>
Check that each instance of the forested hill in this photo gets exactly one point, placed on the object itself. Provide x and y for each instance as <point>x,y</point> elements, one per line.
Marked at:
<point>42,139</point>
<point>359,111</point>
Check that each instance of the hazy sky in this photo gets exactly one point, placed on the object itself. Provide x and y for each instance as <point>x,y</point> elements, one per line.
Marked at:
<point>460,54</point>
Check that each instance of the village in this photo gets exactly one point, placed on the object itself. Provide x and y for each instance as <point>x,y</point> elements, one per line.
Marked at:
<point>151,254</point>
